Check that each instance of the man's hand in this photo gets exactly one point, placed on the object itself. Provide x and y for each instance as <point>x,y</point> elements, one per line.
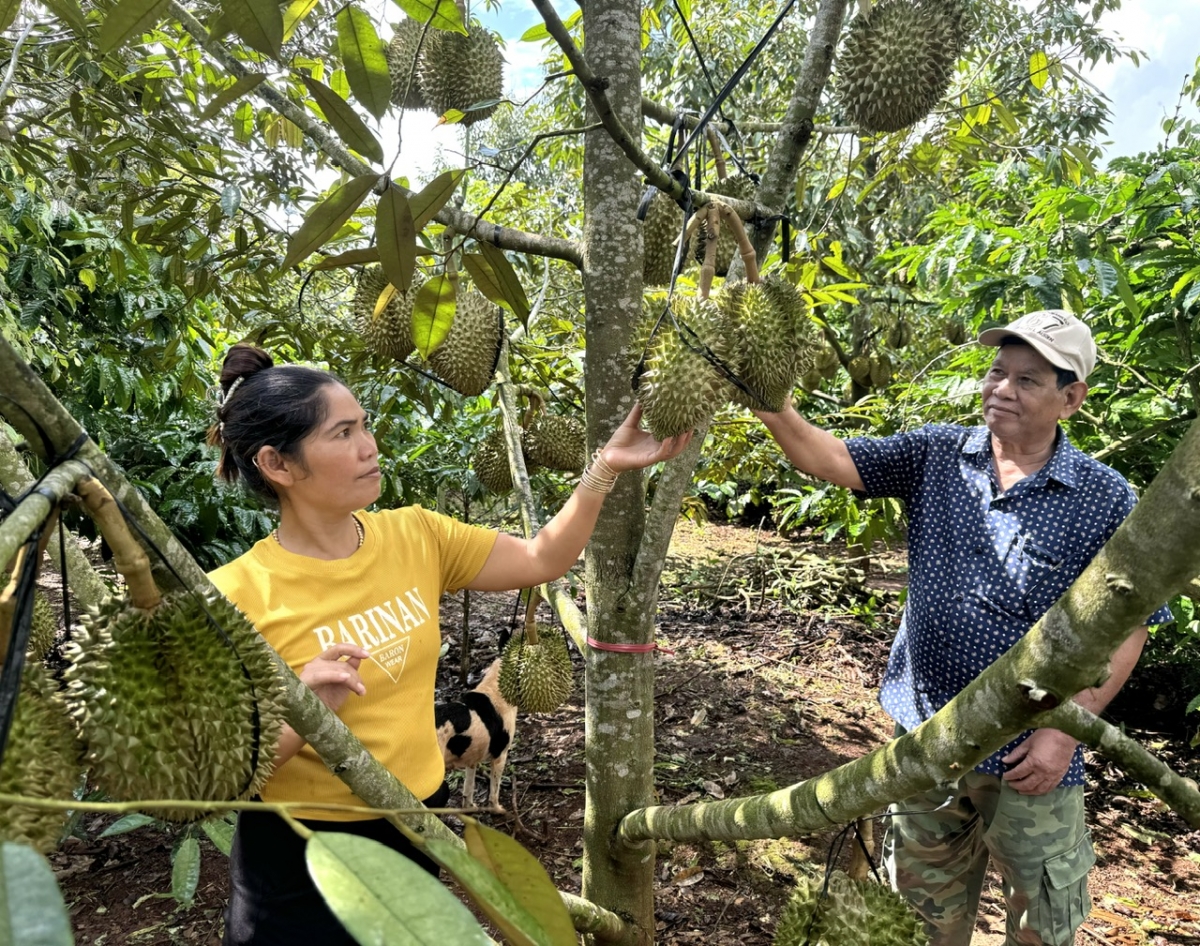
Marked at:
<point>1040,762</point>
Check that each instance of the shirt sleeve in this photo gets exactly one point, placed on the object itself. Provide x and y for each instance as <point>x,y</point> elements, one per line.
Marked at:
<point>463,548</point>
<point>890,466</point>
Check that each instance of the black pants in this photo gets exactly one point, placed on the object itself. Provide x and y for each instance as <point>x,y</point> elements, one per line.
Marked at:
<point>272,898</point>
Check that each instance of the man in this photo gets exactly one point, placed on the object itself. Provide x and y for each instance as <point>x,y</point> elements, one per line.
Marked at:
<point>1002,519</point>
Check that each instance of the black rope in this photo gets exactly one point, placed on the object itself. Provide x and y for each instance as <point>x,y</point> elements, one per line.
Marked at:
<point>22,625</point>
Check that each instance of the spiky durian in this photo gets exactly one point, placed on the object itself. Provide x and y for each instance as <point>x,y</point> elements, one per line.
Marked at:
<point>897,61</point>
<point>955,331</point>
<point>170,707</point>
<point>466,359</point>
<point>401,62</point>
<point>390,332</point>
<point>43,624</point>
<point>842,915</point>
<point>811,380</point>
<point>41,760</point>
<point>798,919</point>
<point>677,386</point>
<point>899,334</point>
<point>491,464</point>
<point>537,678</point>
<point>557,443</point>
<point>458,72</point>
<point>881,370</point>
<point>827,362</point>
<point>860,369</point>
<point>660,234</point>
<point>739,188</point>
<point>891,921</point>
<point>764,357</point>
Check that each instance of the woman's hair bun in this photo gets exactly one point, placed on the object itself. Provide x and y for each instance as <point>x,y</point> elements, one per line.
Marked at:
<point>242,361</point>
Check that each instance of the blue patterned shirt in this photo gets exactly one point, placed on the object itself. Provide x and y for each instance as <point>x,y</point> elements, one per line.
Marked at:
<point>984,565</point>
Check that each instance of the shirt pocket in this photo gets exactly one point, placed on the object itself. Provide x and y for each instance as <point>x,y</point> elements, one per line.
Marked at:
<point>1038,567</point>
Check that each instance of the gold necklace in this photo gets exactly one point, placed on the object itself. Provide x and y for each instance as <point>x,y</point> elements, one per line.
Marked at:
<point>358,527</point>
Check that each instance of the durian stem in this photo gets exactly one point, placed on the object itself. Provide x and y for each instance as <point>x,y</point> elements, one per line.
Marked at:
<point>537,403</point>
<point>745,248</point>
<point>712,229</point>
<point>129,557</point>
<point>718,155</point>
<point>531,632</point>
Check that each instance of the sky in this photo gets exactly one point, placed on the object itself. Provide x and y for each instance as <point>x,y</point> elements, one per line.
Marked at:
<point>1167,32</point>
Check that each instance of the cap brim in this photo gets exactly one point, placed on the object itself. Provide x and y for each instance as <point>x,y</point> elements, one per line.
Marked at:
<point>994,336</point>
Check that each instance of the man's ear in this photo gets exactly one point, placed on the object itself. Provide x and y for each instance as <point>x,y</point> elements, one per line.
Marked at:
<point>1075,392</point>
<point>274,467</point>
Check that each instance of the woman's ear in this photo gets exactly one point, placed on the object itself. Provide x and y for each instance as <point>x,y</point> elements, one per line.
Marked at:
<point>274,467</point>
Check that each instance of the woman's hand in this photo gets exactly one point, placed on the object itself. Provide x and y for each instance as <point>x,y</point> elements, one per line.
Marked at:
<point>333,678</point>
<point>631,448</point>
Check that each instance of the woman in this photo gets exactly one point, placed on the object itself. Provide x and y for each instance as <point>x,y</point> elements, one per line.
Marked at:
<point>350,600</point>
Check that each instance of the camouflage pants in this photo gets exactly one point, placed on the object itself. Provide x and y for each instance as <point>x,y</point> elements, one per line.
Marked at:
<point>938,859</point>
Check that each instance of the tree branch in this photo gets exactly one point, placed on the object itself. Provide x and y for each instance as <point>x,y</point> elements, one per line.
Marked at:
<point>665,115</point>
<point>465,223</point>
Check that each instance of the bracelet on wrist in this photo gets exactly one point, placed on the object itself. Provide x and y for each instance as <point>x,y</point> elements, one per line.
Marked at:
<point>598,475</point>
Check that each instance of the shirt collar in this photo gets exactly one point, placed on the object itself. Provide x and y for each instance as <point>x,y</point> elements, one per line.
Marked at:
<point>1063,465</point>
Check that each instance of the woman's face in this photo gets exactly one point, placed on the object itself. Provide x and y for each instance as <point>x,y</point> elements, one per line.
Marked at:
<point>339,461</point>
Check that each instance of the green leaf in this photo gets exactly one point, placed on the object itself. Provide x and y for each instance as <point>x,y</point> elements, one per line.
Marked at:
<point>243,123</point>
<point>231,199</point>
<point>364,56</point>
<point>185,871</point>
<point>243,85</point>
<point>433,313</point>
<point>1039,69</point>
<point>524,876</point>
<point>451,116</point>
<point>295,14</point>
<point>126,824</point>
<point>444,12</point>
<point>510,292</point>
<point>258,22</point>
<point>32,911</point>
<point>127,18</point>
<point>385,898</point>
<point>397,238</point>
<point>324,220</point>
<point>68,11</point>
<point>535,33</point>
<point>1106,276</point>
<point>433,196</point>
<point>838,186</point>
<point>1126,293</point>
<point>488,892</point>
<point>1184,281</point>
<point>220,830</point>
<point>345,121</point>
<point>1194,705</point>
<point>369,254</point>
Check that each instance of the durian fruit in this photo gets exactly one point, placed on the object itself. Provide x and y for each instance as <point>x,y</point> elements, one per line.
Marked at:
<point>797,923</point>
<point>881,370</point>
<point>537,678</point>
<point>811,380</point>
<point>557,443</point>
<point>457,71</point>
<point>466,359</point>
<point>678,387</point>
<point>897,61</point>
<point>860,369</point>
<point>955,332</point>
<point>660,235</point>
<point>41,760</point>
<point>401,57</point>
<point>167,708</point>
<point>44,624</point>
<point>891,921</point>
<point>853,913</point>
<point>739,188</point>
<point>899,334</point>
<point>390,332</point>
<point>827,362</point>
<point>843,913</point>
<point>491,464</point>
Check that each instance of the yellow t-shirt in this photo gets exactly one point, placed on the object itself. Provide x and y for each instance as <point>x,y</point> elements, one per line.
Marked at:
<point>384,598</point>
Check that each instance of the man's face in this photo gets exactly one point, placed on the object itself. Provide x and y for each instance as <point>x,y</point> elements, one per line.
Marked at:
<point>1021,396</point>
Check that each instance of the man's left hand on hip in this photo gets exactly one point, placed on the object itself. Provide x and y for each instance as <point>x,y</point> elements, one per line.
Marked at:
<point>1039,763</point>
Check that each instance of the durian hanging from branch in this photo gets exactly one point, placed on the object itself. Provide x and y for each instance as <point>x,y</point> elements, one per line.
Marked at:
<point>536,674</point>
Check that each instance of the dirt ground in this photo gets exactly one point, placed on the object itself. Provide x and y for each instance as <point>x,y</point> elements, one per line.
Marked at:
<point>763,690</point>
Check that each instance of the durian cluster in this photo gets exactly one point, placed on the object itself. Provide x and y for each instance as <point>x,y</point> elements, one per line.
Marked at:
<point>450,70</point>
<point>551,442</point>
<point>897,61</point>
<point>537,678</point>
<point>759,332</point>
<point>854,913</point>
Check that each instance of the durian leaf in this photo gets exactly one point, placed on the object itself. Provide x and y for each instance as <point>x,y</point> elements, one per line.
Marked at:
<point>258,22</point>
<point>433,196</point>
<point>324,220</point>
<point>294,15</point>
<point>452,116</point>
<point>32,911</point>
<point>510,284</point>
<point>487,282</point>
<point>490,894</point>
<point>124,20</point>
<point>446,15</point>
<point>220,832</point>
<point>126,824</point>
<point>185,871</point>
<point>397,238</point>
<point>345,121</point>
<point>383,897</point>
<point>524,876</point>
<point>364,56</point>
<point>368,254</point>
<point>243,85</point>
<point>535,33</point>
<point>243,123</point>
<point>1039,69</point>
<point>433,313</point>
<point>68,11</point>
<point>381,303</point>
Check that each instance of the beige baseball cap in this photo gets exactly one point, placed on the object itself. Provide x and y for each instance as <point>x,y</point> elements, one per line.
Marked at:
<point>1056,335</point>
